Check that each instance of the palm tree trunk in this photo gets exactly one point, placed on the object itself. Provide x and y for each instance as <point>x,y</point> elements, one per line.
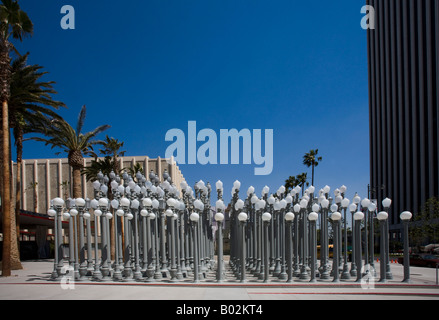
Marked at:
<point>77,183</point>
<point>6,194</point>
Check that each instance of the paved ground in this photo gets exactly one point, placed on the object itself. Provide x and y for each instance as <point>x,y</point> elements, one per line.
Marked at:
<point>33,283</point>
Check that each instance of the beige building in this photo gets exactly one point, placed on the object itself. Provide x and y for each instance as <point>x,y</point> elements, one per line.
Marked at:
<point>45,179</point>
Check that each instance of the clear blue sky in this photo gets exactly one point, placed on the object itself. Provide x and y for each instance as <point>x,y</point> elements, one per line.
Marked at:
<point>144,67</point>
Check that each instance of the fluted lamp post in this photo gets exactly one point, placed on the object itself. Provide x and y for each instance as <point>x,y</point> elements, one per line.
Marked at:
<point>242,217</point>
<point>405,217</point>
<point>219,218</point>
<point>194,217</point>
<point>358,217</point>
<point>266,218</point>
<point>312,217</point>
<point>335,217</point>
<point>382,217</point>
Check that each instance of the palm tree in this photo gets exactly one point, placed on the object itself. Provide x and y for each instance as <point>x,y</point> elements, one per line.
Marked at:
<point>14,23</point>
<point>301,179</point>
<point>105,166</point>
<point>27,111</point>
<point>60,134</point>
<point>310,159</point>
<point>111,148</point>
<point>291,183</point>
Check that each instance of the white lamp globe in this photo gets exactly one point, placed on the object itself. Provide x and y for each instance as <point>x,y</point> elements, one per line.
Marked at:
<point>125,202</point>
<point>51,213</point>
<point>358,216</point>
<point>194,217</point>
<point>289,199</point>
<point>277,206</point>
<point>94,203</point>
<point>386,203</point>
<point>242,217</point>
<point>283,203</point>
<point>114,185</point>
<point>147,202</point>
<point>311,189</point>
<point>86,215</point>
<point>261,204</point>
<point>315,207</point>
<point>406,215</point>
<point>303,203</point>
<point>108,215</point>
<point>80,202</point>
<point>271,200</point>
<point>236,185</point>
<point>372,207</point>
<point>326,189</point>
<point>73,212</point>
<point>334,207</point>
<point>254,199</point>
<point>103,202</point>
<point>114,204</point>
<point>169,212</point>
<point>325,203</point>
<point>343,189</point>
<point>250,190</point>
<point>135,204</point>
<point>289,216</point>
<point>220,205</point>
<point>151,216</point>
<point>265,190</point>
<point>383,215</point>
<point>121,189</point>
<point>130,216</point>
<point>239,204</point>
<point>98,213</point>
<point>335,216</point>
<point>155,203</point>
<point>297,208</point>
<point>352,207</point>
<point>120,212</point>
<point>170,202</point>
<point>219,185</point>
<point>365,203</point>
<point>66,215</point>
<point>313,216</point>
<point>266,216</point>
<point>58,202</point>
<point>183,185</point>
<point>338,199</point>
<point>144,212</point>
<point>356,199</point>
<point>198,204</point>
<point>345,202</point>
<point>219,217</point>
<point>96,185</point>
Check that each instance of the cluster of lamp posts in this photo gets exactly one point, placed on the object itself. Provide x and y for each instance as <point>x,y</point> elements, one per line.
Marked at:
<point>160,233</point>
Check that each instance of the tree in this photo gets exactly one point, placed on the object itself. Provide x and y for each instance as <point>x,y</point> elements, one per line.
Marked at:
<point>14,23</point>
<point>291,183</point>
<point>61,135</point>
<point>111,148</point>
<point>310,159</point>
<point>301,178</point>
<point>28,111</point>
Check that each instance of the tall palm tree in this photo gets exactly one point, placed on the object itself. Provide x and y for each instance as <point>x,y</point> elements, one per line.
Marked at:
<point>310,159</point>
<point>28,111</point>
<point>291,183</point>
<point>111,148</point>
<point>61,135</point>
<point>14,23</point>
<point>301,179</point>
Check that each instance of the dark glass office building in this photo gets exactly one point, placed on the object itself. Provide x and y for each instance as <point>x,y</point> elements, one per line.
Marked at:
<point>403,62</point>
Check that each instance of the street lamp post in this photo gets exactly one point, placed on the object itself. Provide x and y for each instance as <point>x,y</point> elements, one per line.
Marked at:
<point>358,217</point>
<point>405,217</point>
<point>382,217</point>
<point>335,217</point>
<point>194,217</point>
<point>289,218</point>
<point>266,217</point>
<point>312,217</point>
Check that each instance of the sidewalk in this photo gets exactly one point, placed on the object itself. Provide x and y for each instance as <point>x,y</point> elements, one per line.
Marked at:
<point>33,282</point>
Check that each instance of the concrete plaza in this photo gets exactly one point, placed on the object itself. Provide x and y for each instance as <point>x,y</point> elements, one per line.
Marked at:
<point>32,282</point>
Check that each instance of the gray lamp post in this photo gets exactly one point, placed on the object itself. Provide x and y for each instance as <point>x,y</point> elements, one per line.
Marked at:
<point>80,205</point>
<point>242,217</point>
<point>194,217</point>
<point>345,274</point>
<point>173,269</point>
<point>105,268</point>
<point>289,218</point>
<point>296,266</point>
<point>324,273</point>
<point>97,275</point>
<point>312,217</point>
<point>335,217</point>
<point>219,218</point>
<point>405,217</point>
<point>58,204</point>
<point>382,217</point>
<point>358,217</point>
<point>303,273</point>
<point>266,217</point>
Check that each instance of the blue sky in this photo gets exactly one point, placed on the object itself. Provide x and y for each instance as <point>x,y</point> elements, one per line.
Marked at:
<point>144,67</point>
